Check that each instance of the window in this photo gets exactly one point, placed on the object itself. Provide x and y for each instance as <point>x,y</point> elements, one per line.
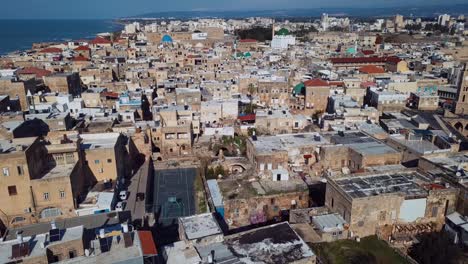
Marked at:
<point>6,172</point>
<point>62,194</point>
<point>109,160</point>
<point>96,161</point>
<point>12,190</point>
<point>18,219</point>
<point>46,196</point>
<point>382,215</point>
<point>20,169</point>
<point>435,211</point>
<point>101,170</point>
<point>332,203</point>
<point>72,254</point>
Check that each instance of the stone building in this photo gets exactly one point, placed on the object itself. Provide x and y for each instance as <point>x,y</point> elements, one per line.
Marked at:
<point>283,151</point>
<point>462,102</point>
<point>316,95</point>
<point>273,91</point>
<point>260,201</point>
<point>356,151</point>
<point>107,155</point>
<point>68,83</point>
<point>370,202</point>
<point>18,90</point>
<point>37,185</point>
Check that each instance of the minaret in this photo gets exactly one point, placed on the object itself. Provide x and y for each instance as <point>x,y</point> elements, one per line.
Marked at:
<point>273,29</point>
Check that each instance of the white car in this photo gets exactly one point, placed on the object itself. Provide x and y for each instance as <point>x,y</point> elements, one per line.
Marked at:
<point>123,195</point>
<point>120,206</point>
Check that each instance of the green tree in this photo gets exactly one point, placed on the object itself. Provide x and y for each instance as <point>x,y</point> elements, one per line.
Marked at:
<point>219,170</point>
<point>210,174</point>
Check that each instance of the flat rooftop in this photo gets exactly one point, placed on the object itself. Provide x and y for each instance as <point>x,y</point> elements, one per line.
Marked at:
<point>199,226</point>
<point>277,243</point>
<point>268,144</point>
<point>100,140</point>
<point>17,144</point>
<point>407,183</point>
<point>34,243</point>
<point>59,171</point>
<point>362,143</point>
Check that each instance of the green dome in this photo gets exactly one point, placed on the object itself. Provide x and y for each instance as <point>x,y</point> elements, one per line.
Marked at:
<point>247,54</point>
<point>299,89</point>
<point>351,50</point>
<point>282,32</point>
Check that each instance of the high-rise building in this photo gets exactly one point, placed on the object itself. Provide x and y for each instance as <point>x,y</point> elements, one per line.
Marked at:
<point>443,20</point>
<point>324,21</point>
<point>399,22</point>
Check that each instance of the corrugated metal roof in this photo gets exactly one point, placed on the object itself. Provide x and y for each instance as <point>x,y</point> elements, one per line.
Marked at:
<point>215,192</point>
<point>328,221</point>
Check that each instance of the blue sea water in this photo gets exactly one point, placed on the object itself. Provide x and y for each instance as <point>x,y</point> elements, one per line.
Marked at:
<point>21,34</point>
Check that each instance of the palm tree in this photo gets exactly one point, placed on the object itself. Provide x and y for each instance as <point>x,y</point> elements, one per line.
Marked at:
<point>251,91</point>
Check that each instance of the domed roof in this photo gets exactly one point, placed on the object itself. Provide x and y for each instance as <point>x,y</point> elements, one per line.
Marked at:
<point>351,50</point>
<point>166,38</point>
<point>282,32</point>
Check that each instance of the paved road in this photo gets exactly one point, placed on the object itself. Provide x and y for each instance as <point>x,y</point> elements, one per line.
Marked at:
<point>138,184</point>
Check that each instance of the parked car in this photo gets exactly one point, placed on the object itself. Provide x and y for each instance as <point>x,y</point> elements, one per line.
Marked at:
<point>140,196</point>
<point>123,195</point>
<point>120,206</point>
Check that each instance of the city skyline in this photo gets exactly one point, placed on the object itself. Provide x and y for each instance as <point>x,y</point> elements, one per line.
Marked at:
<point>106,9</point>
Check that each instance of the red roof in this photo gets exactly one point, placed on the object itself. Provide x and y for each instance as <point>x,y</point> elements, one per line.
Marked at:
<point>368,52</point>
<point>316,82</point>
<point>36,71</point>
<point>368,84</point>
<point>249,117</point>
<point>147,243</point>
<point>365,60</point>
<point>111,94</point>
<point>100,40</point>
<point>371,69</point>
<point>51,50</point>
<point>247,40</point>
<point>82,48</point>
<point>79,58</point>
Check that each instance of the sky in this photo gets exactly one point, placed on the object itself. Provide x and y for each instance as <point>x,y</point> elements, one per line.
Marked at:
<point>97,9</point>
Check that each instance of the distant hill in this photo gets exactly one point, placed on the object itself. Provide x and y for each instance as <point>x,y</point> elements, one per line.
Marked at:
<point>420,11</point>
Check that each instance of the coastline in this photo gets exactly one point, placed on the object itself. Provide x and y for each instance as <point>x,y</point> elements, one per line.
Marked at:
<point>22,34</point>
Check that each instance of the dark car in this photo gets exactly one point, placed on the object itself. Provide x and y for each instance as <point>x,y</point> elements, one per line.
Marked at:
<point>140,196</point>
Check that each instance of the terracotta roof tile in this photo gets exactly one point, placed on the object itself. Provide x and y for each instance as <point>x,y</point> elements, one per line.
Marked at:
<point>371,69</point>
<point>36,71</point>
<point>100,40</point>
<point>316,83</point>
<point>51,50</point>
<point>82,48</point>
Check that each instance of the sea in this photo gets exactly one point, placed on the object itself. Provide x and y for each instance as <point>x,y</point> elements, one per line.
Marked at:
<point>21,34</point>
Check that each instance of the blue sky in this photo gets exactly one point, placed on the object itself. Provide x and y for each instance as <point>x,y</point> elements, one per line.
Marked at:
<point>11,9</point>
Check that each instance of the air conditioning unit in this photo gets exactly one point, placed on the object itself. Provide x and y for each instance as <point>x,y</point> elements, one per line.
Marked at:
<point>27,210</point>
